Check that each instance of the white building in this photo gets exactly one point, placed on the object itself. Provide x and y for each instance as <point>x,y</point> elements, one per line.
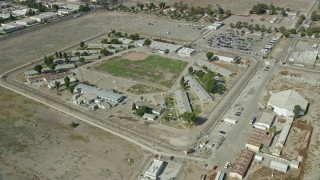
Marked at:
<point>185,52</point>
<point>182,101</point>
<point>266,120</point>
<point>216,25</point>
<point>284,132</point>
<point>164,48</point>
<point>153,170</point>
<point>307,58</point>
<point>196,87</point>
<point>44,16</point>
<point>224,58</point>
<point>66,11</point>
<point>22,12</point>
<point>279,166</point>
<point>149,117</point>
<point>10,27</point>
<point>99,93</point>
<point>26,21</point>
<point>125,40</point>
<point>283,103</point>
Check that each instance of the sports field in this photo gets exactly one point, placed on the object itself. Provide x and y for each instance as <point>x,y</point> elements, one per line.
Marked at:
<point>143,68</point>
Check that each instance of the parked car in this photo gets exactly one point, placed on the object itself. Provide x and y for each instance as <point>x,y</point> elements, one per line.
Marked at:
<point>222,132</point>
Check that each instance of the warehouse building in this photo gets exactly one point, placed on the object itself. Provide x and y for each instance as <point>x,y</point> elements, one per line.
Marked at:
<point>283,103</point>
<point>279,166</point>
<point>257,139</point>
<point>224,58</point>
<point>154,170</point>
<point>66,11</point>
<point>185,52</point>
<point>30,73</point>
<point>306,58</point>
<point>44,16</point>
<point>182,101</point>
<point>284,132</point>
<point>241,166</point>
<point>99,93</point>
<point>215,68</point>
<point>196,88</point>
<point>266,120</point>
<point>26,21</point>
<point>164,48</point>
<point>216,25</point>
<point>11,27</point>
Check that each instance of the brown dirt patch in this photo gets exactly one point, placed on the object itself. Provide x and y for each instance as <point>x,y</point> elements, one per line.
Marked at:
<point>135,56</point>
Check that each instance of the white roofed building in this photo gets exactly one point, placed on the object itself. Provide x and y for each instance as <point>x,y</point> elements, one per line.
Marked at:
<point>44,16</point>
<point>26,21</point>
<point>182,101</point>
<point>153,170</point>
<point>185,52</point>
<point>196,87</point>
<point>283,103</point>
<point>164,48</point>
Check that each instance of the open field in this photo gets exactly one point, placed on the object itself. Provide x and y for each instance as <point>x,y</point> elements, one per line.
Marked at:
<point>241,6</point>
<point>22,49</point>
<point>307,84</point>
<point>38,143</point>
<point>155,69</point>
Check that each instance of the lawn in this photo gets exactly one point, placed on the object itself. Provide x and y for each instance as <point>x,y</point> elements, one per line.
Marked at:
<point>156,69</point>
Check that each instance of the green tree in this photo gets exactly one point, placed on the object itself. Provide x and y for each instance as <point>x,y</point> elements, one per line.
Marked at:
<point>147,42</point>
<point>273,129</point>
<point>182,84</point>
<point>52,66</point>
<point>67,81</point>
<point>71,89</point>
<point>11,18</point>
<point>296,111</point>
<point>250,27</point>
<point>162,5</point>
<point>104,51</point>
<point>66,60</point>
<point>57,84</point>
<point>239,25</point>
<point>81,59</point>
<point>140,112</point>
<point>57,54</point>
<point>1,20</point>
<point>209,55</point>
<point>135,37</point>
<point>38,68</point>
<point>82,44</point>
<point>191,69</point>
<point>189,117</point>
<point>55,7</point>
<point>232,25</point>
<point>133,108</point>
<point>256,27</point>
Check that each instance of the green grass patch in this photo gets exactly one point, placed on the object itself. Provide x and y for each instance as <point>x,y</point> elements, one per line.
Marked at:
<point>154,69</point>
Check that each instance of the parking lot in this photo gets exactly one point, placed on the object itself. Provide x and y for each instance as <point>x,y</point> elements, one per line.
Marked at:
<point>237,40</point>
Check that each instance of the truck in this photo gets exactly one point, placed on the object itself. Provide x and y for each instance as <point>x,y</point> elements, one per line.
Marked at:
<point>229,120</point>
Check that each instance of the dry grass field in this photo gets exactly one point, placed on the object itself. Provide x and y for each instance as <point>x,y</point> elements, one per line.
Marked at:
<point>38,143</point>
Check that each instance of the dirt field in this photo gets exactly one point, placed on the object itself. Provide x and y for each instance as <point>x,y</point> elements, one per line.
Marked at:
<point>306,84</point>
<point>240,6</point>
<point>38,143</point>
<point>298,138</point>
<point>194,171</point>
<point>135,56</point>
